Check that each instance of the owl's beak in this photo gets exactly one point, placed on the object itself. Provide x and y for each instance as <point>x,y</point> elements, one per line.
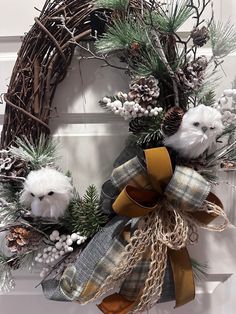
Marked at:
<point>204,129</point>
<point>41,197</point>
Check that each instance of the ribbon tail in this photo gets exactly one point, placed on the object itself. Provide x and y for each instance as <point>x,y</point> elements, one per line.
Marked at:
<point>116,304</point>
<point>183,276</point>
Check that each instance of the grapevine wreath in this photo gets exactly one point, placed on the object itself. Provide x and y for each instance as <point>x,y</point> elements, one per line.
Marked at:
<point>132,236</point>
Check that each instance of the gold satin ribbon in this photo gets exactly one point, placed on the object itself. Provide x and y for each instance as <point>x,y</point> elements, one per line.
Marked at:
<point>116,304</point>
<point>137,202</point>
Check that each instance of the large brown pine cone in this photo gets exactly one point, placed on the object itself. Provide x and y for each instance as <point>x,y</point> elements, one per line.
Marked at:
<point>145,91</point>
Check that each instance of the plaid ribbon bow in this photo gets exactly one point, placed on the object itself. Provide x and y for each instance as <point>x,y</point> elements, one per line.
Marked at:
<point>141,191</point>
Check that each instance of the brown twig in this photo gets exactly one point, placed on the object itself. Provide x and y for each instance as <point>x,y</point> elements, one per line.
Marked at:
<point>42,63</point>
<point>25,112</point>
<point>36,87</point>
<point>51,36</point>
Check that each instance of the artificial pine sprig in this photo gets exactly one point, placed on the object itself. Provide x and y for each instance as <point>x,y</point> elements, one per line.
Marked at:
<point>208,99</point>
<point>147,131</point>
<point>223,39</point>
<point>7,282</point>
<point>151,64</point>
<point>84,214</point>
<point>121,35</point>
<point>9,211</point>
<point>40,154</point>
<point>172,15</point>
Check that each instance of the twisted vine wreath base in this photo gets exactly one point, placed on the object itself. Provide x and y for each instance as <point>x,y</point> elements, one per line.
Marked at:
<point>42,63</point>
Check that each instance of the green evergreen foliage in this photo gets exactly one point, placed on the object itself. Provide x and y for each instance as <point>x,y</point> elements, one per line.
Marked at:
<point>209,98</point>
<point>7,282</point>
<point>148,134</point>
<point>84,215</point>
<point>119,5</point>
<point>40,154</point>
<point>9,191</point>
<point>9,212</point>
<point>223,38</point>
<point>27,260</point>
<point>121,35</point>
<point>172,15</point>
<point>151,64</point>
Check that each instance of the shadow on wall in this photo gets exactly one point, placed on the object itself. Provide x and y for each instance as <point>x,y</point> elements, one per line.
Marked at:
<point>88,148</point>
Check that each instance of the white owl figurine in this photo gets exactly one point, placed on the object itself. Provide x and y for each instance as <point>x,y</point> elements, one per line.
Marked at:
<point>47,192</point>
<point>197,132</point>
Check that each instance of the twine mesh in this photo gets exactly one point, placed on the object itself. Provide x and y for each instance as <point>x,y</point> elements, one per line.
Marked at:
<point>162,228</point>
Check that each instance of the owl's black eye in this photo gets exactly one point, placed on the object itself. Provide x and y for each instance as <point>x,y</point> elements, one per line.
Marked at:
<point>212,128</point>
<point>51,193</point>
<point>32,194</point>
<point>196,123</point>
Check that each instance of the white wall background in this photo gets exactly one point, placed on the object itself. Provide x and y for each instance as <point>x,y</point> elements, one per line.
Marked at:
<point>90,140</point>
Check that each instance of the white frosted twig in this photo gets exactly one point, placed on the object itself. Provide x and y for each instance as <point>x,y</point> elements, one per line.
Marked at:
<point>12,177</point>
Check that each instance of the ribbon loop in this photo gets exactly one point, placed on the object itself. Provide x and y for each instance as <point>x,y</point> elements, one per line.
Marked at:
<point>174,206</point>
<point>134,202</point>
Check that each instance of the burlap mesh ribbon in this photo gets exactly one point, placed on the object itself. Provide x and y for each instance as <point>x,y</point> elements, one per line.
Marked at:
<point>163,229</point>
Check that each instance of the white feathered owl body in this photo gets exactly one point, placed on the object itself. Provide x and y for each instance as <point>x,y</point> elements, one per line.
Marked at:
<point>198,132</point>
<point>47,192</point>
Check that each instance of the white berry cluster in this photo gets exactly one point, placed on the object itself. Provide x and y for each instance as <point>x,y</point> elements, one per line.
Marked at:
<point>226,107</point>
<point>62,244</point>
<point>129,109</point>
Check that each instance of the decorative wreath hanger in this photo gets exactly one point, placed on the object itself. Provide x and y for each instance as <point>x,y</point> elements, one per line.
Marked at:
<point>134,235</point>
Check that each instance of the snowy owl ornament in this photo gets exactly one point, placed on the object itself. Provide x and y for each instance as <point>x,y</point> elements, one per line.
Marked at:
<point>198,131</point>
<point>47,192</point>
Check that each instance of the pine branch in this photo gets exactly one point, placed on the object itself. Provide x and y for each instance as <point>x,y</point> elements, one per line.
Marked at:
<point>7,282</point>
<point>223,39</point>
<point>121,35</point>
<point>151,64</point>
<point>209,98</point>
<point>40,154</point>
<point>27,260</point>
<point>172,16</point>
<point>84,214</point>
<point>9,211</point>
<point>139,125</point>
<point>9,191</point>
<point>209,84</point>
<point>148,131</point>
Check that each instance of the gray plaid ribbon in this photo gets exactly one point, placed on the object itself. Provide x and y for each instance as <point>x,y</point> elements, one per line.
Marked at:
<point>81,281</point>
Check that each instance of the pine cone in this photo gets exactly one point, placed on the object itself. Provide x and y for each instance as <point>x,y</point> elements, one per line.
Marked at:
<point>192,74</point>
<point>144,91</point>
<point>200,64</point>
<point>172,120</point>
<point>11,166</point>
<point>200,36</point>
<point>21,239</point>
